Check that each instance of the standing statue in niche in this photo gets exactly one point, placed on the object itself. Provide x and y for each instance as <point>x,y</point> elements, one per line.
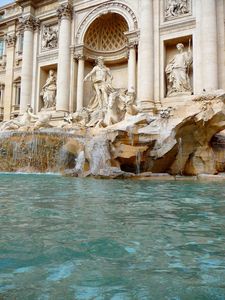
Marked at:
<point>101,78</point>
<point>177,72</point>
<point>49,91</point>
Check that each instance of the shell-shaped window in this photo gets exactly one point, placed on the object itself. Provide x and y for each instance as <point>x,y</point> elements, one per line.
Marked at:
<point>106,33</point>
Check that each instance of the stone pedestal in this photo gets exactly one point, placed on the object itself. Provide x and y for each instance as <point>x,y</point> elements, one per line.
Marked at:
<point>63,79</point>
<point>30,24</point>
<point>209,45</point>
<point>146,57</point>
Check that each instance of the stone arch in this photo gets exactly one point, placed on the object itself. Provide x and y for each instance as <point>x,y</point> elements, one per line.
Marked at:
<point>114,7</point>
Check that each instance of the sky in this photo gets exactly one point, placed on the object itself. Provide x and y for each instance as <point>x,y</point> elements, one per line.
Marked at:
<point>3,2</point>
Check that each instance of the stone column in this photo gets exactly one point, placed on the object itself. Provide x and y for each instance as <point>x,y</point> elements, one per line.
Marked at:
<point>10,41</point>
<point>4,54</point>
<point>146,57</point>
<point>63,73</point>
<point>80,81</point>
<point>209,44</point>
<point>2,86</point>
<point>30,24</point>
<point>132,68</point>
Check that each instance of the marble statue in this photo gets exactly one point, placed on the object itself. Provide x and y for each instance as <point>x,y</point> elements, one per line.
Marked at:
<point>20,121</point>
<point>79,118</point>
<point>177,72</point>
<point>166,113</point>
<point>49,38</point>
<point>176,8</point>
<point>42,120</point>
<point>113,114</point>
<point>130,108</point>
<point>49,91</point>
<point>101,78</point>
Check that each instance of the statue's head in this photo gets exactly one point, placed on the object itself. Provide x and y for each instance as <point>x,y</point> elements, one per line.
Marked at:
<point>180,46</point>
<point>100,61</point>
<point>51,72</point>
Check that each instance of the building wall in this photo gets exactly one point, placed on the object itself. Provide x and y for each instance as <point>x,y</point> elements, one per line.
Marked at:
<point>166,30</point>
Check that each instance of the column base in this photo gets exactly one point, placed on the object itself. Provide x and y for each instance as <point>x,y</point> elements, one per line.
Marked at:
<point>147,107</point>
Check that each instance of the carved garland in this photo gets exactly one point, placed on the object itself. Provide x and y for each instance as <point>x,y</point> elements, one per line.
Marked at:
<point>106,7</point>
<point>10,40</point>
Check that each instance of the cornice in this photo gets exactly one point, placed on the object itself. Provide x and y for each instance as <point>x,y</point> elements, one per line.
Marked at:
<point>176,26</point>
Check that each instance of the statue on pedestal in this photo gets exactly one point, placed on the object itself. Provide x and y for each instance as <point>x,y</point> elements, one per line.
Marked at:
<point>101,78</point>
<point>177,72</point>
<point>49,91</point>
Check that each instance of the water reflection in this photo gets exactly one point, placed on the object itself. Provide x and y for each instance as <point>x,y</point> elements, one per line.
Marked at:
<point>64,238</point>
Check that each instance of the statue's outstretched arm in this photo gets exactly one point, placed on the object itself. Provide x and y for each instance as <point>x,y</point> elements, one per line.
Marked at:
<point>89,74</point>
<point>109,73</point>
<point>29,111</point>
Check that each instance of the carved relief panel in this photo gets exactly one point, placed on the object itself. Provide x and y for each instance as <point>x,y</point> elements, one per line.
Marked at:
<point>49,39</point>
<point>177,8</point>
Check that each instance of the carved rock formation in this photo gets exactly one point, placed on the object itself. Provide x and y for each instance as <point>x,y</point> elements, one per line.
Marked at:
<point>185,141</point>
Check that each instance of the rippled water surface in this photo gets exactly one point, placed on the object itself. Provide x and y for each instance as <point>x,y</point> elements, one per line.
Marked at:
<point>66,238</point>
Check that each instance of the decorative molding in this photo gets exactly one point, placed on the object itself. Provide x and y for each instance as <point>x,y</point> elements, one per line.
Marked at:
<point>29,23</point>
<point>133,38</point>
<point>49,39</point>
<point>79,56</point>
<point>113,7</point>
<point>10,40</point>
<point>176,9</point>
<point>185,24</point>
<point>65,11</point>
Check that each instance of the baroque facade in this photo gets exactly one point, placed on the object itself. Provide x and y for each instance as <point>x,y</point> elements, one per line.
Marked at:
<point>159,51</point>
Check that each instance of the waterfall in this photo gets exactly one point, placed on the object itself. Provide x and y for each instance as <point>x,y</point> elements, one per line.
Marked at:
<point>99,154</point>
<point>138,162</point>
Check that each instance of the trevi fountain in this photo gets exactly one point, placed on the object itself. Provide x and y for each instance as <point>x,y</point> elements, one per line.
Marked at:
<point>128,91</point>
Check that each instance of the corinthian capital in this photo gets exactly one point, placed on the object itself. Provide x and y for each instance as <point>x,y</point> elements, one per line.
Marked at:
<point>30,23</point>
<point>65,11</point>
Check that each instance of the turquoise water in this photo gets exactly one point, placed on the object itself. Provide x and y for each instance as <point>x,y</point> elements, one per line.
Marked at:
<point>66,238</point>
